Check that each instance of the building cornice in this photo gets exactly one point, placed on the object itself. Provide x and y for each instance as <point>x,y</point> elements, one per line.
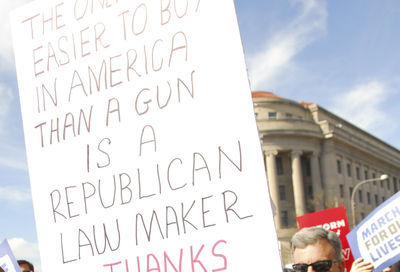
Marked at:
<point>343,132</point>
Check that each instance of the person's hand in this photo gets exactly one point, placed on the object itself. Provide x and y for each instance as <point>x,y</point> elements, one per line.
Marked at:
<point>387,269</point>
<point>360,266</point>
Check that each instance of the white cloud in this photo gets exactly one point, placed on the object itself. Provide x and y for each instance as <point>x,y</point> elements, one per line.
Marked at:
<point>14,162</point>
<point>277,54</point>
<point>9,156</point>
<point>13,156</point>
<point>6,97</point>
<point>6,52</point>
<point>25,250</point>
<point>362,105</point>
<point>14,194</point>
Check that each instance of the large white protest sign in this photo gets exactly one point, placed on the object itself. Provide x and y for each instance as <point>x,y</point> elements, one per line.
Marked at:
<point>141,141</point>
<point>377,237</point>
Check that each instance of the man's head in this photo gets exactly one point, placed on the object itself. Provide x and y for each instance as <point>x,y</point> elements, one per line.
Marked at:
<point>319,247</point>
<point>26,266</point>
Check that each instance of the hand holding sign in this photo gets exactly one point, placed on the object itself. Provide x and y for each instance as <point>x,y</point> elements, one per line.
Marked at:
<point>360,266</point>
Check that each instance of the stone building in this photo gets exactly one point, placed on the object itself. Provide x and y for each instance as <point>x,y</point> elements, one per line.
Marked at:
<point>314,159</point>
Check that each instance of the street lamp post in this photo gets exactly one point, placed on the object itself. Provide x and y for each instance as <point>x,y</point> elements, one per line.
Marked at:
<point>382,177</point>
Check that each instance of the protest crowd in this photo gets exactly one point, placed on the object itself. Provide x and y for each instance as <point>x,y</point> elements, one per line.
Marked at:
<point>313,249</point>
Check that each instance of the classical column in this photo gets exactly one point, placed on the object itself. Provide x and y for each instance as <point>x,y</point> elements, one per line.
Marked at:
<point>316,182</point>
<point>273,184</point>
<point>298,188</point>
<point>329,175</point>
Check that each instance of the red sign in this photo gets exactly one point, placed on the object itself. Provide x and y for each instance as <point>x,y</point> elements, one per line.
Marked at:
<point>333,219</point>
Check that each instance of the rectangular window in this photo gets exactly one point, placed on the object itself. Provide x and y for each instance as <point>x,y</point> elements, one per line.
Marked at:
<point>388,184</point>
<point>284,219</point>
<point>362,215</point>
<point>308,167</point>
<point>383,199</point>
<point>360,199</point>
<point>348,169</point>
<point>382,184</point>
<point>366,174</point>
<point>351,191</point>
<point>341,190</point>
<point>376,200</point>
<point>339,166</point>
<point>358,173</point>
<point>374,176</point>
<point>289,115</point>
<point>369,198</point>
<point>310,192</point>
<point>279,165</point>
<point>272,115</point>
<point>395,187</point>
<point>282,192</point>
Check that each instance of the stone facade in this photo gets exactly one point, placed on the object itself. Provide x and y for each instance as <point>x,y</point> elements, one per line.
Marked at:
<point>314,159</point>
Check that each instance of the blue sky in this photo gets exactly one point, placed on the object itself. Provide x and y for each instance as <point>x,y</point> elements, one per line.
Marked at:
<point>342,55</point>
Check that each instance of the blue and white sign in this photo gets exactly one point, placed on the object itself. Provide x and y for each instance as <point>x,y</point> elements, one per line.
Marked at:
<point>7,259</point>
<point>377,237</point>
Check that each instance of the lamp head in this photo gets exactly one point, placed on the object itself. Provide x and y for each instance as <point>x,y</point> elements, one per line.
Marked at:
<point>383,177</point>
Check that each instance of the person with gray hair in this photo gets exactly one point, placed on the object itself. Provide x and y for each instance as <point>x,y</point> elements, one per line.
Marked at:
<point>317,249</point>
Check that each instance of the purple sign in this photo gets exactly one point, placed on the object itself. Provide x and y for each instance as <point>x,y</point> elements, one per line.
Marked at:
<point>7,260</point>
<point>377,238</point>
